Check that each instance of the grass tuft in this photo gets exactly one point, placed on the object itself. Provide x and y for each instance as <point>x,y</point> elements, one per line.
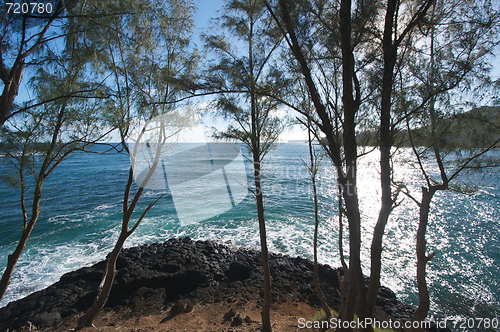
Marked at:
<point>321,316</point>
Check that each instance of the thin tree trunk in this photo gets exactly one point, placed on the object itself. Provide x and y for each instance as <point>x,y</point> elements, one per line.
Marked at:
<point>316,225</point>
<point>256,152</point>
<point>422,258</point>
<point>105,286</point>
<point>347,181</point>
<point>342,280</point>
<point>390,54</point>
<point>356,284</point>
<point>10,91</point>
<point>266,307</point>
<point>109,274</point>
<point>35,212</point>
<point>14,257</point>
<point>427,194</point>
<point>356,288</point>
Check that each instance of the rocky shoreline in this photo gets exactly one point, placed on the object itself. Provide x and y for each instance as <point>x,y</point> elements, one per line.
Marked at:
<point>177,274</point>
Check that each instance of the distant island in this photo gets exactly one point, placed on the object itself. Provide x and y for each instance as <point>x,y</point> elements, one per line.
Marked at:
<point>303,141</point>
<point>473,129</point>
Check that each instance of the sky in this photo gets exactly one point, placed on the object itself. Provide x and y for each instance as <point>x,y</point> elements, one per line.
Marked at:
<point>208,9</point>
<point>205,11</point>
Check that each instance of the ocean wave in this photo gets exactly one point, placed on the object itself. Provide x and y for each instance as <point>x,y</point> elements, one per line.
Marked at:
<point>105,206</point>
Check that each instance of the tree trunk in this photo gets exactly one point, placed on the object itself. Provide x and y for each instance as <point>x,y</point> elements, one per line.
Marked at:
<point>356,287</point>
<point>422,259</point>
<point>316,224</point>
<point>266,306</point>
<point>14,257</point>
<point>390,54</point>
<point>109,274</point>
<point>347,181</point>
<point>12,260</point>
<point>342,280</point>
<point>10,91</point>
<point>35,212</point>
<point>105,286</point>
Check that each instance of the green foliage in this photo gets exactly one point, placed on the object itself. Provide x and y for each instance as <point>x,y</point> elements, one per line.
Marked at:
<point>475,129</point>
<point>321,316</point>
<point>245,76</point>
<point>36,141</point>
<point>142,54</point>
<point>119,61</point>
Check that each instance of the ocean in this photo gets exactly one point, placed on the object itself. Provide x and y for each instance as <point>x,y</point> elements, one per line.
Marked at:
<point>82,210</point>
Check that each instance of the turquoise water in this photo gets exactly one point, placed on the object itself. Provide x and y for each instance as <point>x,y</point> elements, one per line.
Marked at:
<point>80,221</point>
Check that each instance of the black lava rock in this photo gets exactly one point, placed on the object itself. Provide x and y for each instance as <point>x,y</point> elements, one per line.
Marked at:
<point>177,273</point>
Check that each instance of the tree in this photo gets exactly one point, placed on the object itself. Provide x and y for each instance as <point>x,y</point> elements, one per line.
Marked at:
<point>366,38</point>
<point>37,141</point>
<point>299,100</point>
<point>304,106</point>
<point>143,56</point>
<point>397,31</point>
<point>158,132</point>
<point>459,38</point>
<point>313,170</point>
<point>342,150</point>
<point>252,116</point>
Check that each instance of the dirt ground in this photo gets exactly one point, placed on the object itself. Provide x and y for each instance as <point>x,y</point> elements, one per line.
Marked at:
<point>213,317</point>
<point>216,317</point>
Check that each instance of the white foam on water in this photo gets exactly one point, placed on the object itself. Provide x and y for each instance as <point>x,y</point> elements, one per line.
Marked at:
<point>40,268</point>
<point>105,206</point>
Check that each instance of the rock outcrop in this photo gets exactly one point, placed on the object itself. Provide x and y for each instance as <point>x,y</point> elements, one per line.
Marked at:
<point>178,273</point>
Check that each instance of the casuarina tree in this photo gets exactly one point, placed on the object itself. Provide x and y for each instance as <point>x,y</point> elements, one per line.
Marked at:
<point>35,142</point>
<point>240,74</point>
<point>143,56</point>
